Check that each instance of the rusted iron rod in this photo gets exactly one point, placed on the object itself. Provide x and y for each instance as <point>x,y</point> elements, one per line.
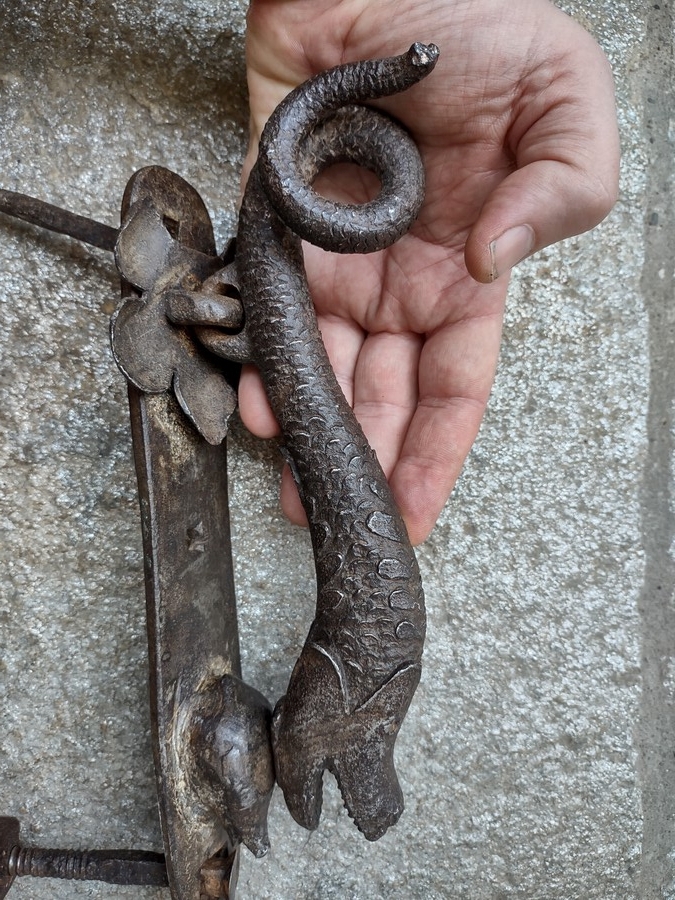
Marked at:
<point>53,218</point>
<point>111,866</point>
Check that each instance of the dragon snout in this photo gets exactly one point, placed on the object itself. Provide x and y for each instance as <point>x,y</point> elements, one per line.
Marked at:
<point>313,729</point>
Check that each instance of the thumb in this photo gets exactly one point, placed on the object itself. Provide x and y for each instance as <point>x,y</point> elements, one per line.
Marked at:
<point>538,205</point>
<point>565,181</point>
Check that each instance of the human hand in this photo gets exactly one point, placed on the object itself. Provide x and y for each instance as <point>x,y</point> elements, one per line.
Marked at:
<point>517,131</point>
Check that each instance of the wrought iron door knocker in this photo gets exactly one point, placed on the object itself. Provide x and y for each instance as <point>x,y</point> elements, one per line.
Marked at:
<point>189,317</point>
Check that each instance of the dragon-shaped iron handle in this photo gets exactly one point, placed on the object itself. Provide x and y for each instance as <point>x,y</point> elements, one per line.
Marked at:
<point>360,665</point>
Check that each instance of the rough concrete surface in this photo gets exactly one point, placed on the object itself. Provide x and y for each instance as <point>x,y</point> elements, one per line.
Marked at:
<point>538,759</point>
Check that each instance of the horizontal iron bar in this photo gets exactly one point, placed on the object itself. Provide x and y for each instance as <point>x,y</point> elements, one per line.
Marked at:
<point>37,212</point>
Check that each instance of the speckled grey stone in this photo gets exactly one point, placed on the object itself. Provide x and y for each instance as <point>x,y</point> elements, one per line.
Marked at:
<point>544,728</point>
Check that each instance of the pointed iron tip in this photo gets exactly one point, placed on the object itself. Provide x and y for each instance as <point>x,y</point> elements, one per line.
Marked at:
<point>424,55</point>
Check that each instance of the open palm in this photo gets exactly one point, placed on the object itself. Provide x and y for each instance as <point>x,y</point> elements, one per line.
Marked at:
<point>517,132</point>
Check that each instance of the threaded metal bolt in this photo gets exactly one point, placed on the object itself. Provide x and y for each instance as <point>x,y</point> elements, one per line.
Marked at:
<point>111,866</point>
<point>138,867</point>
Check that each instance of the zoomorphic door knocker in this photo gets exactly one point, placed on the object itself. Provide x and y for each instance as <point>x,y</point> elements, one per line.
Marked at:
<point>190,316</point>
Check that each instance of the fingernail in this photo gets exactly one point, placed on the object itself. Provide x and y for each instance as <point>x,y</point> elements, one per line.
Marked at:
<point>510,248</point>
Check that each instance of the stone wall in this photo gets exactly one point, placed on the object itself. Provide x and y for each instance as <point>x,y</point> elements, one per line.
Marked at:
<point>537,759</point>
